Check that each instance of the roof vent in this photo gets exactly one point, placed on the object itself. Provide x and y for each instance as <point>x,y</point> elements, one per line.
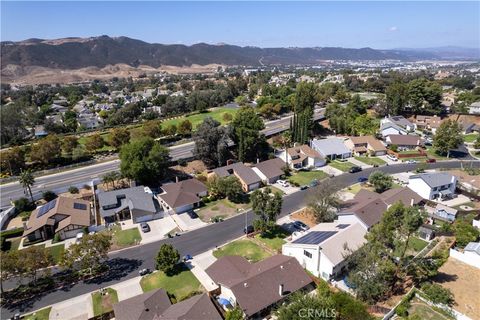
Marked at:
<point>281,267</point>
<point>245,284</point>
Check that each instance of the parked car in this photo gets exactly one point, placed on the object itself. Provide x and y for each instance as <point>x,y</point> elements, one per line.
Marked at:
<point>362,179</point>
<point>355,169</point>
<point>411,161</point>
<point>300,225</point>
<point>145,227</point>
<point>313,183</point>
<point>304,187</point>
<point>392,157</point>
<point>248,229</point>
<point>187,257</point>
<point>431,160</point>
<point>192,214</point>
<point>144,272</point>
<point>283,183</point>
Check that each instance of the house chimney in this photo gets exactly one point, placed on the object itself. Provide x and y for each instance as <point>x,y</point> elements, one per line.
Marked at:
<point>245,284</point>
<point>411,202</point>
<point>176,179</point>
<point>280,290</point>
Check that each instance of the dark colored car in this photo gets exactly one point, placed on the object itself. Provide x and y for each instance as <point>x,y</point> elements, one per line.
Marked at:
<point>362,179</point>
<point>145,227</point>
<point>303,187</point>
<point>355,169</point>
<point>300,225</point>
<point>431,160</point>
<point>248,229</point>
<point>192,214</point>
<point>313,183</point>
<point>187,257</point>
<point>144,272</point>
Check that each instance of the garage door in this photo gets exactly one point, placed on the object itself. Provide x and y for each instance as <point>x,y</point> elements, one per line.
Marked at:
<point>149,217</point>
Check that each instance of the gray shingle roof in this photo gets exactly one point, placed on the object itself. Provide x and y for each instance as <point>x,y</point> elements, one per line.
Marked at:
<point>246,174</point>
<point>182,193</point>
<point>473,246</point>
<point>330,146</point>
<point>436,179</point>
<point>142,307</point>
<point>400,121</point>
<point>271,168</point>
<point>134,198</point>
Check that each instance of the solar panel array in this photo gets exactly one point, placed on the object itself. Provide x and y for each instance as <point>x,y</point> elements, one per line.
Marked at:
<point>47,207</point>
<point>315,237</point>
<point>79,206</point>
<point>342,226</point>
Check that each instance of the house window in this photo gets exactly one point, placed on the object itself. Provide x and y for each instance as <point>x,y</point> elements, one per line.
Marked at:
<point>306,253</point>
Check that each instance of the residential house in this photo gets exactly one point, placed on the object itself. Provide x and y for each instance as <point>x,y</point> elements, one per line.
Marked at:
<point>89,121</point>
<point>40,131</point>
<point>388,128</point>
<point>182,196</point>
<point>136,203</point>
<point>435,185</point>
<point>156,305</point>
<point>430,123</point>
<point>426,232</point>
<point>56,108</point>
<point>63,216</point>
<point>247,176</point>
<point>442,213</point>
<point>302,156</point>
<point>256,287</point>
<point>270,170</point>
<point>322,249</point>
<point>331,148</point>
<point>474,108</point>
<point>469,127</point>
<point>470,254</point>
<point>399,121</point>
<point>404,142</point>
<point>365,145</point>
<point>403,195</point>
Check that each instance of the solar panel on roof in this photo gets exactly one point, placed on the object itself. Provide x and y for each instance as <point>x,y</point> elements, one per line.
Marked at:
<point>47,207</point>
<point>342,226</point>
<point>315,237</point>
<point>79,206</point>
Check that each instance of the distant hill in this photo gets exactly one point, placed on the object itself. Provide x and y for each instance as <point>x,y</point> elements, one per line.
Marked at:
<point>74,53</point>
<point>445,53</point>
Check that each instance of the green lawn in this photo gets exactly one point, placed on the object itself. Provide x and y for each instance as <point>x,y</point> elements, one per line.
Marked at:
<point>471,137</point>
<point>104,303</point>
<point>125,238</point>
<point>371,160</point>
<point>431,154</point>
<point>220,208</point>
<point>275,190</point>
<point>42,314</point>
<point>355,188</point>
<point>274,239</point>
<point>106,137</point>
<point>57,252</point>
<point>244,248</point>
<point>425,312</point>
<point>196,119</point>
<point>181,284</point>
<point>305,177</point>
<point>415,245</point>
<point>343,166</point>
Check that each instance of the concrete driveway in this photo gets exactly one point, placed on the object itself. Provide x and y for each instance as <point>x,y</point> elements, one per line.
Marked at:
<point>158,229</point>
<point>128,289</point>
<point>331,170</point>
<point>359,163</point>
<point>78,308</point>
<point>287,190</point>
<point>198,265</point>
<point>186,223</point>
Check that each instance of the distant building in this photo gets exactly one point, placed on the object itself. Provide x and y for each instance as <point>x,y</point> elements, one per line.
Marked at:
<point>404,142</point>
<point>270,170</point>
<point>442,213</point>
<point>399,121</point>
<point>474,108</point>
<point>431,123</point>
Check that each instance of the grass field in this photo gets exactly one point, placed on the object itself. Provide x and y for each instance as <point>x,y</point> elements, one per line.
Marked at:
<point>371,160</point>
<point>181,284</point>
<point>415,245</point>
<point>244,248</point>
<point>305,177</point>
<point>471,137</point>
<point>57,252</point>
<point>342,166</point>
<point>431,154</point>
<point>196,119</point>
<point>104,303</point>
<point>274,239</point>
<point>42,314</point>
<point>425,312</point>
<point>125,238</point>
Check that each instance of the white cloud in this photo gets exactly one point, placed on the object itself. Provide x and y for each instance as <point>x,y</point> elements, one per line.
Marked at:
<point>392,29</point>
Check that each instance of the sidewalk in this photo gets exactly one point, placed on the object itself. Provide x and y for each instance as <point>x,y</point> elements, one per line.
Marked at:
<point>77,308</point>
<point>128,288</point>
<point>330,170</point>
<point>359,163</point>
<point>198,265</point>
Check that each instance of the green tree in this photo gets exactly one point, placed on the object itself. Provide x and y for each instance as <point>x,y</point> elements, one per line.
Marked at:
<point>211,143</point>
<point>94,142</point>
<point>231,188</point>
<point>465,232</point>
<point>46,150</point>
<point>89,253</point>
<point>152,129</point>
<point>447,137</point>
<point>144,160</point>
<point>8,266</point>
<point>12,160</point>
<point>48,195</point>
<point>246,126</point>
<point>396,98</point>
<point>324,202</point>
<point>27,181</point>
<point>167,258</point>
<point>119,137</point>
<point>476,144</point>
<point>69,143</point>
<point>365,125</point>
<point>438,294</point>
<point>266,205</point>
<point>380,181</point>
<point>171,130</point>
<point>306,307</point>
<point>234,314</point>
<point>185,127</point>
<point>32,259</point>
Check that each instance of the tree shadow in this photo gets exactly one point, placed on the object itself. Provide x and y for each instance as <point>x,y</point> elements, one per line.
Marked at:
<point>118,268</point>
<point>443,277</point>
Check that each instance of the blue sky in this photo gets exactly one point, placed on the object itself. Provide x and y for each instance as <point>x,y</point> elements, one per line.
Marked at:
<point>382,25</point>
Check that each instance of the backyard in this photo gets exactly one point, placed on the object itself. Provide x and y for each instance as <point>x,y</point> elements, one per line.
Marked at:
<point>103,303</point>
<point>471,137</point>
<point>342,166</point>
<point>220,208</point>
<point>302,178</point>
<point>425,312</point>
<point>245,248</point>
<point>415,245</point>
<point>42,314</point>
<point>371,160</point>
<point>179,285</point>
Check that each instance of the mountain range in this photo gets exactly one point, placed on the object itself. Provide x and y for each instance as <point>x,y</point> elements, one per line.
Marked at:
<point>74,53</point>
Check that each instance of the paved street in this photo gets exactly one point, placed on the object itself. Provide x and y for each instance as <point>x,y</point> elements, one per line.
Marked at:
<point>126,263</point>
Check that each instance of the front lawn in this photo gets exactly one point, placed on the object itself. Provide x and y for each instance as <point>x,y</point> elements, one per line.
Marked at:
<point>342,166</point>
<point>42,314</point>
<point>244,248</point>
<point>103,303</point>
<point>125,238</point>
<point>471,137</point>
<point>179,285</point>
<point>432,154</point>
<point>197,118</point>
<point>274,238</point>
<point>302,178</point>
<point>57,252</point>
<point>371,160</point>
<point>220,208</point>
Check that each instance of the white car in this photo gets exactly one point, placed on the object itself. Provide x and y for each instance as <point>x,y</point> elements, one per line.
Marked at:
<point>411,161</point>
<point>283,183</point>
<point>392,157</point>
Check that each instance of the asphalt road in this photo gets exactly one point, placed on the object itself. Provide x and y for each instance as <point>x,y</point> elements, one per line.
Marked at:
<point>127,262</point>
<point>78,177</point>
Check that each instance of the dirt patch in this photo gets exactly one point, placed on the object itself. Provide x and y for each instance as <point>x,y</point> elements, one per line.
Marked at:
<point>15,223</point>
<point>464,282</point>
<point>192,167</point>
<point>222,208</point>
<point>306,216</point>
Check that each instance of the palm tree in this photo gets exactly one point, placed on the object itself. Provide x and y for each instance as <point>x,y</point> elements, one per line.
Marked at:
<point>27,181</point>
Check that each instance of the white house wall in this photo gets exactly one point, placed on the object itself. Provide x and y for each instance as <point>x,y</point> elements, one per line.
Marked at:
<point>297,251</point>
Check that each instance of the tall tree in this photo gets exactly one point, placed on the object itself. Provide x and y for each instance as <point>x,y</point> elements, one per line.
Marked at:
<point>325,202</point>
<point>185,127</point>
<point>152,129</point>
<point>94,142</point>
<point>144,160</point>
<point>8,265</point>
<point>396,98</point>
<point>305,98</point>
<point>12,160</point>
<point>266,205</point>
<point>119,137</point>
<point>380,181</point>
<point>167,258</point>
<point>46,150</point>
<point>246,126</point>
<point>32,259</point>
<point>211,142</point>
<point>69,143</point>
<point>447,137</point>
<point>27,181</point>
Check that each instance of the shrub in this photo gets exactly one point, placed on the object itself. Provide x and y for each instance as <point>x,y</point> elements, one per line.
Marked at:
<point>402,310</point>
<point>13,233</point>
<point>87,187</point>
<point>49,195</point>
<point>73,189</point>
<point>23,204</point>
<point>56,238</point>
<point>394,147</point>
<point>437,293</point>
